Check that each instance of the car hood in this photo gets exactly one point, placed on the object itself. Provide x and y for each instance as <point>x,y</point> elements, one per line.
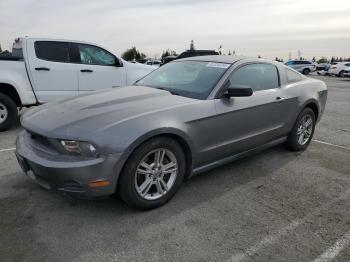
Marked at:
<point>78,117</point>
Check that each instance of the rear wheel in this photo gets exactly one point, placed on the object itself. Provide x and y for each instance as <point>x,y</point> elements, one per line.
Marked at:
<point>303,130</point>
<point>8,112</point>
<point>306,71</point>
<point>341,73</point>
<point>153,173</point>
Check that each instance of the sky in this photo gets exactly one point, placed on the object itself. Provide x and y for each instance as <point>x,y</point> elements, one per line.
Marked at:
<point>268,28</point>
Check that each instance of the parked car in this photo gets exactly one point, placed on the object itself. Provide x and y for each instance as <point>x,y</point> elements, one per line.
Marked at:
<point>338,68</point>
<point>185,118</point>
<point>154,62</point>
<point>323,67</point>
<point>192,53</point>
<point>346,72</point>
<point>168,59</point>
<point>302,66</point>
<point>142,60</point>
<point>43,70</point>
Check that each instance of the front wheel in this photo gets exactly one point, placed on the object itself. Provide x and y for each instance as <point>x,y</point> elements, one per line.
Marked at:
<point>152,174</point>
<point>8,112</point>
<point>303,130</point>
<point>306,71</point>
<point>341,73</point>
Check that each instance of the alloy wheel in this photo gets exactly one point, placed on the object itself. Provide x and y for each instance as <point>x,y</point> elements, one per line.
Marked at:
<point>304,131</point>
<point>3,113</point>
<point>156,174</point>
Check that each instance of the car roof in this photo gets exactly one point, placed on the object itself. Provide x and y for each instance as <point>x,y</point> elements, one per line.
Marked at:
<point>215,58</point>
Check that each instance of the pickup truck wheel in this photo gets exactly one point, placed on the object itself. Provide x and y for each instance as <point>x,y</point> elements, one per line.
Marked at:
<point>8,112</point>
<point>306,71</point>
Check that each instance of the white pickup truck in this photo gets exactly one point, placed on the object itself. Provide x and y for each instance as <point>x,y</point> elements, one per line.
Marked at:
<point>42,70</point>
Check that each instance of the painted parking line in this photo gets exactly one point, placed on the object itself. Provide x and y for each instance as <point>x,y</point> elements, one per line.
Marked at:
<point>7,149</point>
<point>276,236</point>
<point>334,250</point>
<point>330,144</point>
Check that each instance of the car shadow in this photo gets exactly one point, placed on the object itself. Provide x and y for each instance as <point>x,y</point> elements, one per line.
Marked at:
<point>112,221</point>
<point>195,191</point>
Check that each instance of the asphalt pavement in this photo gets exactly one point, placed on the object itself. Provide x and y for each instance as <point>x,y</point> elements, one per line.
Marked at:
<point>274,206</point>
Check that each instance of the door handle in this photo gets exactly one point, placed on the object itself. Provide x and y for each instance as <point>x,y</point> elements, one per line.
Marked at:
<point>86,71</point>
<point>279,99</point>
<point>42,69</point>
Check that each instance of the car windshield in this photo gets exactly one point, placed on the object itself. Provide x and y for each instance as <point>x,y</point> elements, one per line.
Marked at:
<point>194,79</point>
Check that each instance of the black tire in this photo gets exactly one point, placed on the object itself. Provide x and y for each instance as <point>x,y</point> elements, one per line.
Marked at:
<point>292,141</point>
<point>341,73</point>
<point>9,118</point>
<point>306,71</point>
<point>127,182</point>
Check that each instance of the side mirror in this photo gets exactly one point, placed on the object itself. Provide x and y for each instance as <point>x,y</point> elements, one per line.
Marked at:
<point>238,91</point>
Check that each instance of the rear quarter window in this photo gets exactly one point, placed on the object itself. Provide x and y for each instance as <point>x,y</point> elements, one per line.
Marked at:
<point>292,76</point>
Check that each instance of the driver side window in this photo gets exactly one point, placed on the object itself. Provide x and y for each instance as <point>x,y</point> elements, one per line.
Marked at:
<point>93,55</point>
<point>256,76</point>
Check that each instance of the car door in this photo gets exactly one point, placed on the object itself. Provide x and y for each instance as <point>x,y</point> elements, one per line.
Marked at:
<point>244,123</point>
<point>51,71</point>
<point>98,69</point>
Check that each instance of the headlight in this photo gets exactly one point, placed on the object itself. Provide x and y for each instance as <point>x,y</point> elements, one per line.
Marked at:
<point>79,148</point>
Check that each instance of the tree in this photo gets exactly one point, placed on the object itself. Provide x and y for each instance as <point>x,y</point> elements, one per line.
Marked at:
<point>132,54</point>
<point>192,48</point>
<point>314,59</point>
<point>259,56</point>
<point>229,52</point>
<point>0,49</point>
<point>169,52</point>
<point>279,59</point>
<point>322,60</point>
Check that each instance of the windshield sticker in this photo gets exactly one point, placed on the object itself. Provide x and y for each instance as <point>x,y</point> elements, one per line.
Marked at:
<point>220,65</point>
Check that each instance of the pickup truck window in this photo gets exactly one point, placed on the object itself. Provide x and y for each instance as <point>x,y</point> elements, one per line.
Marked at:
<point>52,51</point>
<point>93,55</point>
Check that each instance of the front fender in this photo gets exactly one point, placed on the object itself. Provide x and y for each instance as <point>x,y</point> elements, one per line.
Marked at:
<point>157,132</point>
<point>14,74</point>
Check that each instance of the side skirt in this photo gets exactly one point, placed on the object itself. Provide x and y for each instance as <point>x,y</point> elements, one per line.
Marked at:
<point>235,157</point>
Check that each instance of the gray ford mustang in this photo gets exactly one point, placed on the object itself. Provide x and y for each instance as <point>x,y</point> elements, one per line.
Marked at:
<point>187,117</point>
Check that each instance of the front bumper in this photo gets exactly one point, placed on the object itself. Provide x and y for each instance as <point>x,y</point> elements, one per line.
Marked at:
<point>70,174</point>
